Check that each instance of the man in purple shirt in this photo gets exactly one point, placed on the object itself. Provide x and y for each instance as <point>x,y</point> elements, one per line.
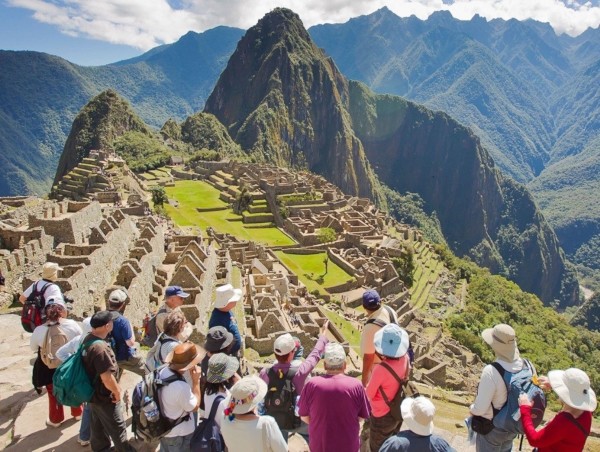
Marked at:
<point>287,368</point>
<point>333,405</point>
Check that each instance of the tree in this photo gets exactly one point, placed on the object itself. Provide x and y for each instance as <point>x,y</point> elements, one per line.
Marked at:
<point>326,235</point>
<point>405,266</point>
<point>159,196</point>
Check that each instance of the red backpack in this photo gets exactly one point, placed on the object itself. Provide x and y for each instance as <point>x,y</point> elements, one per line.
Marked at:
<point>33,313</point>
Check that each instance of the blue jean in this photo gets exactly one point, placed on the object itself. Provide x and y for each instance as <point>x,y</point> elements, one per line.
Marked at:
<point>85,432</point>
<point>176,443</point>
<point>495,441</point>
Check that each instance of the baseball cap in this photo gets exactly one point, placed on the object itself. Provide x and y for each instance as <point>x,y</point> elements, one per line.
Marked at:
<point>176,290</point>
<point>371,299</point>
<point>284,344</point>
<point>117,296</point>
<point>101,318</point>
<point>334,354</point>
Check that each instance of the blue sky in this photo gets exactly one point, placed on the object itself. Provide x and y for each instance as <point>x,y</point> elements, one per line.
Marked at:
<point>94,32</point>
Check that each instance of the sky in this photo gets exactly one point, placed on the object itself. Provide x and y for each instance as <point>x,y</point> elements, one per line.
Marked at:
<point>95,32</point>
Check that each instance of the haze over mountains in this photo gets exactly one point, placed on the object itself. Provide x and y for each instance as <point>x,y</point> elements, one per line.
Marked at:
<point>530,95</point>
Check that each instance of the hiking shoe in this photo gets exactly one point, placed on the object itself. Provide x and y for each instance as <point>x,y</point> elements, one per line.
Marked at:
<point>52,424</point>
<point>83,442</point>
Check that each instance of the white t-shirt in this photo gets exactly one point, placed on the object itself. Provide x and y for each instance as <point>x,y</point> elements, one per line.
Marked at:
<point>492,389</point>
<point>209,400</point>
<point>257,435</point>
<point>176,400</point>
<point>70,327</point>
<point>51,291</point>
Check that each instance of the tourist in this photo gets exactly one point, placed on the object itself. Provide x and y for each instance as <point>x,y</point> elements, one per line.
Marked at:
<point>221,376</point>
<point>377,317</point>
<point>179,399</point>
<point>56,313</point>
<point>333,404</point>
<point>569,429</point>
<point>174,334</point>
<point>218,340</point>
<point>242,428</point>
<point>174,299</point>
<point>107,409</point>
<point>63,353</point>
<point>296,371</point>
<point>391,347</point>
<point>227,297</point>
<point>491,392</point>
<point>122,338</point>
<point>47,285</point>
<point>417,414</point>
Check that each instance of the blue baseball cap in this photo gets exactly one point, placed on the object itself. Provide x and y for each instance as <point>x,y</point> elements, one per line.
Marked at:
<point>176,290</point>
<point>371,299</point>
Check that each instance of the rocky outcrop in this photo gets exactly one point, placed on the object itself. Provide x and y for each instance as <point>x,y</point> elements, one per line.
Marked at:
<point>283,100</point>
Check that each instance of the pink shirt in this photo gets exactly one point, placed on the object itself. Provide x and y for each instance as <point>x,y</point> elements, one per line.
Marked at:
<point>382,378</point>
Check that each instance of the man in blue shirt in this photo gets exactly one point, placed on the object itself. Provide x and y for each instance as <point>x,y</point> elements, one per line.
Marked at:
<point>122,337</point>
<point>227,297</point>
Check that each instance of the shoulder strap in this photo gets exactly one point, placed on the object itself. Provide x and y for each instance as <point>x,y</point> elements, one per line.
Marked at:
<point>215,406</point>
<point>395,375</point>
<point>570,417</point>
<point>377,322</point>
<point>44,287</point>
<point>391,313</point>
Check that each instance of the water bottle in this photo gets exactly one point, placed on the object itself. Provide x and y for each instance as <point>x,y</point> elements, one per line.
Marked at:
<point>296,407</point>
<point>150,409</point>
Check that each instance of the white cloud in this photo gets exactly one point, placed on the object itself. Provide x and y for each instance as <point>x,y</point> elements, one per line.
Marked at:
<point>147,23</point>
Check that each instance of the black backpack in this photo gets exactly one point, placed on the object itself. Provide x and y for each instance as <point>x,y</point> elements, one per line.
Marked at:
<point>207,436</point>
<point>152,331</point>
<point>280,400</point>
<point>33,313</point>
<point>150,387</point>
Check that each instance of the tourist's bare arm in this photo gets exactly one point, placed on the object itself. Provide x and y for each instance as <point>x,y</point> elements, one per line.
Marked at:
<point>368,360</point>
<point>111,384</point>
<point>305,419</point>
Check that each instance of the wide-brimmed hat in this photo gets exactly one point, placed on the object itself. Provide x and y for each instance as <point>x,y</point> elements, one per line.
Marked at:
<point>246,394</point>
<point>227,294</point>
<point>50,271</point>
<point>391,341</point>
<point>217,339</point>
<point>284,344</point>
<point>184,356</point>
<point>573,388</point>
<point>117,296</point>
<point>371,300</point>
<point>417,414</point>
<point>503,341</point>
<point>221,367</point>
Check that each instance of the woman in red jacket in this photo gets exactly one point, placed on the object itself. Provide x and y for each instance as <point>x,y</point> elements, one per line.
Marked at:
<point>569,429</point>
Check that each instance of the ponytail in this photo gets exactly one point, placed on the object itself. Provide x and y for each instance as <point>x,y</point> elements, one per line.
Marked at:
<point>53,312</point>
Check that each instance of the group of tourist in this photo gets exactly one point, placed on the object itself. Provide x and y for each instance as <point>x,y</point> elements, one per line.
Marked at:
<point>259,412</point>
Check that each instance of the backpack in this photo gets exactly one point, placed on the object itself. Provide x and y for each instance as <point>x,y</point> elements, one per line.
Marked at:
<point>150,387</point>
<point>151,335</point>
<point>153,359</point>
<point>280,400</point>
<point>508,417</point>
<point>394,317</point>
<point>207,436</point>
<point>405,390</point>
<point>71,383</point>
<point>33,314</point>
<point>55,339</point>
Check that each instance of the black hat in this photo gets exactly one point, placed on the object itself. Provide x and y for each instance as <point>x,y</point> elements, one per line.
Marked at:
<point>101,318</point>
<point>217,339</point>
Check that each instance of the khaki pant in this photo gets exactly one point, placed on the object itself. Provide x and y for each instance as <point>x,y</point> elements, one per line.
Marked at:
<point>135,364</point>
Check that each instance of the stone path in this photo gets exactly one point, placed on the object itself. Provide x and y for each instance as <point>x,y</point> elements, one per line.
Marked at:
<point>23,412</point>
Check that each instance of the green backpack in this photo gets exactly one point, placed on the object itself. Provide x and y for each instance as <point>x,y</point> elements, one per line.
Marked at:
<point>71,384</point>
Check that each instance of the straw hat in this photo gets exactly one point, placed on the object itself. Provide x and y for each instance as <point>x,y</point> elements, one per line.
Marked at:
<point>50,271</point>
<point>503,341</point>
<point>391,341</point>
<point>573,388</point>
<point>246,394</point>
<point>184,356</point>
<point>418,414</point>
<point>227,294</point>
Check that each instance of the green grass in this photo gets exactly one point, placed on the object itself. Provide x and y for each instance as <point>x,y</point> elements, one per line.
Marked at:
<point>193,194</point>
<point>350,333</point>
<point>310,267</point>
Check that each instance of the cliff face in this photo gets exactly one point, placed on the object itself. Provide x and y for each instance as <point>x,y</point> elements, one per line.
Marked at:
<point>104,118</point>
<point>282,100</point>
<point>483,214</point>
